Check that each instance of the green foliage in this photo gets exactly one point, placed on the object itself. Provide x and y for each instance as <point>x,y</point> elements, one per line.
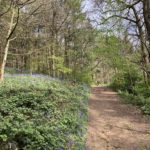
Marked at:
<point>141,100</point>
<point>84,77</point>
<point>130,83</point>
<point>59,62</point>
<point>38,113</point>
<point>125,81</point>
<point>127,76</point>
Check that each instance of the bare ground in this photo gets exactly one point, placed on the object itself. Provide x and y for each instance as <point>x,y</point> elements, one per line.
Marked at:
<point>114,125</point>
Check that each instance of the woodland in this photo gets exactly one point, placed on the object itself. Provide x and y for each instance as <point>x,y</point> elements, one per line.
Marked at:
<point>51,51</point>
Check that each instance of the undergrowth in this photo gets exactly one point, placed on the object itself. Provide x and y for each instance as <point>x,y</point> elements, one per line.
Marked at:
<point>133,90</point>
<point>140,97</point>
<point>41,114</point>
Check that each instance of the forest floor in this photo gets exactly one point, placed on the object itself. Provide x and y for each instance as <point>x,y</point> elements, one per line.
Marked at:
<point>114,125</point>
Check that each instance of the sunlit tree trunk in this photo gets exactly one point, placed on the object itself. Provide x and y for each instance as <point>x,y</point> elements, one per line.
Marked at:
<point>2,65</point>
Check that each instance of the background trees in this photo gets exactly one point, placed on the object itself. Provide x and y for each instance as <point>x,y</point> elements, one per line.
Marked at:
<point>131,18</point>
<point>59,39</point>
<point>124,46</point>
<point>9,17</point>
<point>52,37</point>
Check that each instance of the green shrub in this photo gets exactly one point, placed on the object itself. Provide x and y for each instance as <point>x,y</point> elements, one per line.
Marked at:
<point>138,100</point>
<point>142,89</point>
<point>84,77</point>
<point>133,89</point>
<point>37,113</point>
<point>146,107</point>
<point>125,81</point>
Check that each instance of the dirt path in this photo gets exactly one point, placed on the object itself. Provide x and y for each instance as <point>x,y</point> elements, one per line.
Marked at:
<point>114,125</point>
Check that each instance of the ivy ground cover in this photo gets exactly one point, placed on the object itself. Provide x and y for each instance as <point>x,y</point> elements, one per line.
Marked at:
<point>42,114</point>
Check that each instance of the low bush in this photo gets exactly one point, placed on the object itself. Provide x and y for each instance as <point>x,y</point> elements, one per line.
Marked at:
<point>125,81</point>
<point>83,77</point>
<point>140,98</point>
<point>132,89</point>
<point>41,114</point>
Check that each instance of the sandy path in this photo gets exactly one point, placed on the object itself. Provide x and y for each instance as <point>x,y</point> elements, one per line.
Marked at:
<point>114,125</point>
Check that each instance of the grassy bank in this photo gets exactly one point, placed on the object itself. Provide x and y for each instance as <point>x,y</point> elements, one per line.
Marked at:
<point>38,113</point>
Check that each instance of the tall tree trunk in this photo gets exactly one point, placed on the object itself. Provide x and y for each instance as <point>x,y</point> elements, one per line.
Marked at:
<point>2,66</point>
<point>53,43</point>
<point>53,61</point>
<point>146,10</point>
<point>66,52</point>
<point>144,49</point>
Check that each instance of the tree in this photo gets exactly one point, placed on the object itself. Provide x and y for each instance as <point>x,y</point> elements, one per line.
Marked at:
<point>11,28</point>
<point>146,12</point>
<point>130,15</point>
<point>13,14</point>
<point>52,37</point>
